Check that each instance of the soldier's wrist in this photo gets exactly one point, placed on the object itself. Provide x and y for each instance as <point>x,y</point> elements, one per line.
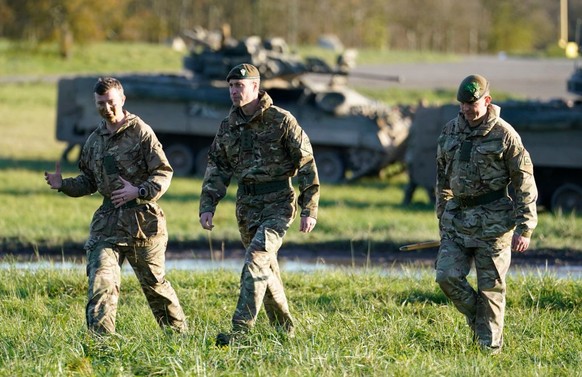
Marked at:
<point>525,233</point>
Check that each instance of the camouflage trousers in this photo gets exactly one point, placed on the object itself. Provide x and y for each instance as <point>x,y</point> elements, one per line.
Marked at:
<point>483,308</point>
<point>104,262</point>
<point>260,281</point>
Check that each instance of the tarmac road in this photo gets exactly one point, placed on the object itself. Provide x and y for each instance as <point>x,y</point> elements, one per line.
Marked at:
<point>531,78</point>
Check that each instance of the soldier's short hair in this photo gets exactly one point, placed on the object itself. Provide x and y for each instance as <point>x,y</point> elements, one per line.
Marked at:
<point>105,84</point>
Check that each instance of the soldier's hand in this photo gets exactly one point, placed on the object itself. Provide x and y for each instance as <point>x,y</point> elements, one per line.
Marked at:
<point>206,220</point>
<point>54,180</point>
<point>519,243</point>
<point>307,224</point>
<point>125,194</point>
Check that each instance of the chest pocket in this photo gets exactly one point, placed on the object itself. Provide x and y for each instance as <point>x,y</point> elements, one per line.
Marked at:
<point>491,147</point>
<point>489,159</point>
<point>450,146</point>
<point>131,159</point>
<point>270,146</point>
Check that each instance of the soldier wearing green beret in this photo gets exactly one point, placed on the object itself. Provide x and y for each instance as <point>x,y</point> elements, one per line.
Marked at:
<point>262,146</point>
<point>479,156</point>
<point>123,161</point>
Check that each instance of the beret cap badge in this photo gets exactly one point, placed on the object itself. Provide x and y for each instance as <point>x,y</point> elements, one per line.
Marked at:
<point>244,71</point>
<point>473,88</point>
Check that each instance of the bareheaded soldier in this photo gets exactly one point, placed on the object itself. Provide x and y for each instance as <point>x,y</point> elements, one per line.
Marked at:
<point>123,161</point>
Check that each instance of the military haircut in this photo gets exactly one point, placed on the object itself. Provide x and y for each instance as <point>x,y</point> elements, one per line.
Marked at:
<point>105,84</point>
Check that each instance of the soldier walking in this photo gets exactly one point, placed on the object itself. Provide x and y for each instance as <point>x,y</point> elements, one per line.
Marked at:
<point>262,146</point>
<point>479,155</point>
<point>123,161</point>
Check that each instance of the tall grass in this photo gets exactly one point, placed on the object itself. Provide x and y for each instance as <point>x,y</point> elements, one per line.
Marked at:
<point>349,324</point>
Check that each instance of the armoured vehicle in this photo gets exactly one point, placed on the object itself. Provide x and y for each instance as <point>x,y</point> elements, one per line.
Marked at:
<point>352,135</point>
<point>550,130</point>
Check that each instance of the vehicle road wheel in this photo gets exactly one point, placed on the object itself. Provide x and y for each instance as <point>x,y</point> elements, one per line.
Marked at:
<point>567,198</point>
<point>201,161</point>
<point>181,158</point>
<point>330,166</point>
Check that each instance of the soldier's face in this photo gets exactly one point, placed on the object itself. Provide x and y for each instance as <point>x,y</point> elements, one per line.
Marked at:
<point>475,111</point>
<point>110,105</point>
<point>242,92</point>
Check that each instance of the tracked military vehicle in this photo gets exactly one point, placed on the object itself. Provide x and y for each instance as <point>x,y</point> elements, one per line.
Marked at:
<point>352,135</point>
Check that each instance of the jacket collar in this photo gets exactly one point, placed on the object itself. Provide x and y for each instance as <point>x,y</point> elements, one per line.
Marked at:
<point>102,129</point>
<point>236,117</point>
<point>493,112</point>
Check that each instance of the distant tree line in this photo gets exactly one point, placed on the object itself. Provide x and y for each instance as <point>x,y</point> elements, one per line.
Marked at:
<point>467,26</point>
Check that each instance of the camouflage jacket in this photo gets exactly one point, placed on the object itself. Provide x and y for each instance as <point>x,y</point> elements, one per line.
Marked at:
<point>473,161</point>
<point>270,146</point>
<point>134,153</point>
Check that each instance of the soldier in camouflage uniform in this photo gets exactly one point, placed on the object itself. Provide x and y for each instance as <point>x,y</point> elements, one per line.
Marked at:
<point>262,146</point>
<point>123,161</point>
<point>478,156</point>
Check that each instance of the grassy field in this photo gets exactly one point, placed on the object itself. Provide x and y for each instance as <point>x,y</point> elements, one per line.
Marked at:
<point>349,324</point>
<point>21,59</point>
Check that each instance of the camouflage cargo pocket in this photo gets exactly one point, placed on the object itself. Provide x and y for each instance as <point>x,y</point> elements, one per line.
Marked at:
<point>496,221</point>
<point>446,221</point>
<point>150,221</point>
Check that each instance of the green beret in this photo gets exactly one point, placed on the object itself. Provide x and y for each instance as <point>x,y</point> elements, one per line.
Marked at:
<point>243,71</point>
<point>472,88</point>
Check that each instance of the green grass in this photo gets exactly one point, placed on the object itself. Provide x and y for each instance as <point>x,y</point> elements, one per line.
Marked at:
<point>358,217</point>
<point>349,324</point>
<point>19,59</point>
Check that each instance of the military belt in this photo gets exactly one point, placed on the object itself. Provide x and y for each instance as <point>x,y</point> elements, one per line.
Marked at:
<point>472,201</point>
<point>107,203</point>
<point>263,187</point>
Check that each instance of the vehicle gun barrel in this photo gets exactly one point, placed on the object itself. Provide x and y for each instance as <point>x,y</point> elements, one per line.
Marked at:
<point>374,76</point>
